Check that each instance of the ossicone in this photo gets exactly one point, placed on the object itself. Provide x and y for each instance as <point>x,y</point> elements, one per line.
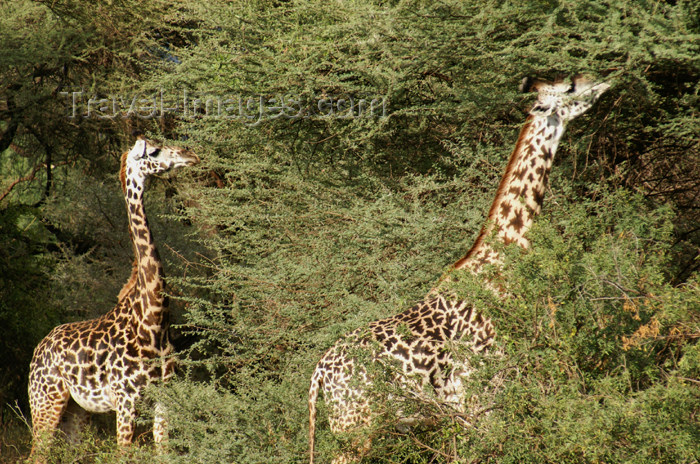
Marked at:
<point>530,84</point>
<point>526,84</point>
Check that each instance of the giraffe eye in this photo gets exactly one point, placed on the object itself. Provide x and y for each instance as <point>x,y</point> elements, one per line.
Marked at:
<point>572,88</point>
<point>154,153</point>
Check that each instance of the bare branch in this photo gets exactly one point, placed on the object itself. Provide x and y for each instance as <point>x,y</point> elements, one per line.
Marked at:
<point>29,177</point>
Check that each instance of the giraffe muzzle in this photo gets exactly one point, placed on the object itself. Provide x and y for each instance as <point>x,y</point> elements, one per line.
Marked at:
<point>185,158</point>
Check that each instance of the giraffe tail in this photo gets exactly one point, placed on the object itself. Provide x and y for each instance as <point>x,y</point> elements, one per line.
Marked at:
<point>316,382</point>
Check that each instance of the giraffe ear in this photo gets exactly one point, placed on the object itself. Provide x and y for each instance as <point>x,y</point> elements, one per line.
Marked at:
<point>137,151</point>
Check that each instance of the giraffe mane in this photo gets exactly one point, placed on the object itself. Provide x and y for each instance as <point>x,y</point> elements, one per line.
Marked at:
<point>129,285</point>
<point>122,171</point>
<point>502,187</point>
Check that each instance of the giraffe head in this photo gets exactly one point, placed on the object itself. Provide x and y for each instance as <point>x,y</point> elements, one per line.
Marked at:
<point>147,158</point>
<point>563,99</point>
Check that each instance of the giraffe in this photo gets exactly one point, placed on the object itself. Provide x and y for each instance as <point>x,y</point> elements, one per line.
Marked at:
<point>419,341</point>
<point>103,364</point>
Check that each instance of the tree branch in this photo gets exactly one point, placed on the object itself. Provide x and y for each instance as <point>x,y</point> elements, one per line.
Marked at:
<point>28,177</point>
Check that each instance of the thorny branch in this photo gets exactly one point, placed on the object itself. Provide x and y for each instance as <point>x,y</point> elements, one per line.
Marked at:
<point>29,177</point>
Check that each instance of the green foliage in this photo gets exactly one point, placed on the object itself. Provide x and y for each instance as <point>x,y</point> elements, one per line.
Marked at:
<point>318,225</point>
<point>23,266</point>
<point>95,448</point>
<point>593,344</point>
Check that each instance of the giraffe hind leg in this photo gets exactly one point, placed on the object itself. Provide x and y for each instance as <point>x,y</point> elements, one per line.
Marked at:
<point>360,449</point>
<point>125,421</point>
<point>352,420</point>
<point>74,421</point>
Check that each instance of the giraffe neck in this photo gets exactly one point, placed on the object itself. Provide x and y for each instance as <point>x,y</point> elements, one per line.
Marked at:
<point>149,310</point>
<point>520,192</point>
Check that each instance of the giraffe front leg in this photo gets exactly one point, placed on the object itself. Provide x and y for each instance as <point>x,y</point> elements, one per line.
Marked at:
<point>160,426</point>
<point>125,421</point>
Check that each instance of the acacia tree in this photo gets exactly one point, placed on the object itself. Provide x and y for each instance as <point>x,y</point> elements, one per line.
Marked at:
<point>318,221</point>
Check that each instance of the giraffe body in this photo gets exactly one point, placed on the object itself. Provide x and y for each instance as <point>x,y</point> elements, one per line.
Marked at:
<point>419,343</point>
<point>423,352</point>
<point>103,364</point>
<point>101,372</point>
